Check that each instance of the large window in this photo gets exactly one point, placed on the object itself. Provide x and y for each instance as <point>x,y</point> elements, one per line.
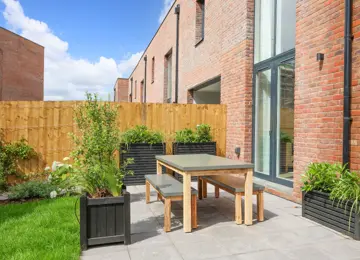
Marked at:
<point>275,24</point>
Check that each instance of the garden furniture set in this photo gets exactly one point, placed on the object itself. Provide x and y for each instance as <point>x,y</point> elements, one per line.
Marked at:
<point>211,169</point>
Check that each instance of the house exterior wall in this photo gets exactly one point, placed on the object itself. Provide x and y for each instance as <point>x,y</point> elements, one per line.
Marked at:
<point>21,68</point>
<point>121,93</point>
<point>227,50</point>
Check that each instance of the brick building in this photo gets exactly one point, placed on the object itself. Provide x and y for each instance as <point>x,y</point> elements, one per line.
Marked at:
<point>121,90</point>
<point>21,68</point>
<point>259,57</point>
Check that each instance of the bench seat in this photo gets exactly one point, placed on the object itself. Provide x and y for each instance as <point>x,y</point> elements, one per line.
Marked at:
<point>232,183</point>
<point>235,186</point>
<point>167,185</point>
<point>169,189</point>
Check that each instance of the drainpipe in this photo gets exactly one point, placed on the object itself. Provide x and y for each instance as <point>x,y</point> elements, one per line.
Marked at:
<point>145,60</point>
<point>347,81</point>
<point>177,12</point>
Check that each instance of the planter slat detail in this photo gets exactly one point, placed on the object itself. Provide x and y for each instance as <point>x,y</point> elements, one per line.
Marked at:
<point>193,148</point>
<point>318,207</point>
<point>104,220</point>
<point>144,160</point>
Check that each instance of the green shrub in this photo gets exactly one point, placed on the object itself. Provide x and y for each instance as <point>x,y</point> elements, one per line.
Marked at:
<point>31,189</point>
<point>95,166</point>
<point>201,135</point>
<point>10,155</point>
<point>141,135</point>
<point>347,190</point>
<point>321,177</point>
<point>185,136</point>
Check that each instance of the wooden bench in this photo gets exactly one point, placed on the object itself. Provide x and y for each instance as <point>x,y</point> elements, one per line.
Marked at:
<point>169,189</point>
<point>235,186</point>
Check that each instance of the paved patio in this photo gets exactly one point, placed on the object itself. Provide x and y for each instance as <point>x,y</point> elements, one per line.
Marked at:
<point>283,235</point>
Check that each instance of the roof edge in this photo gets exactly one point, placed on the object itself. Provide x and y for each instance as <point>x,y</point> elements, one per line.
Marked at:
<point>21,36</point>
<point>147,47</point>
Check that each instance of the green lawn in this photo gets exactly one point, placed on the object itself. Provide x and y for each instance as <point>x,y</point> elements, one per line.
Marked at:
<point>46,229</point>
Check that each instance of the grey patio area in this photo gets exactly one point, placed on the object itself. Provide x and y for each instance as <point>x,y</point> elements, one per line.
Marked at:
<point>283,235</point>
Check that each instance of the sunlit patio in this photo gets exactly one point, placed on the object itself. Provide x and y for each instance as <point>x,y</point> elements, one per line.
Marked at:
<point>283,235</point>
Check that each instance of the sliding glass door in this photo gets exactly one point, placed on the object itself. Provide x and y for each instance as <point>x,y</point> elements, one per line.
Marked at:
<point>273,118</point>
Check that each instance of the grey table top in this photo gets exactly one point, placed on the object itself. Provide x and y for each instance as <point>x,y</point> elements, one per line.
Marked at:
<point>202,162</point>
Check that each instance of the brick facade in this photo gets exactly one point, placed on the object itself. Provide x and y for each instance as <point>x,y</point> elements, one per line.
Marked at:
<point>21,68</point>
<point>121,93</point>
<point>227,51</point>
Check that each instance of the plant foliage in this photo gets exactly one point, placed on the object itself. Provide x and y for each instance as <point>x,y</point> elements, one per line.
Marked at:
<point>285,137</point>
<point>201,135</point>
<point>140,134</point>
<point>321,177</point>
<point>10,155</point>
<point>96,142</point>
<point>185,136</point>
<point>31,189</point>
<point>347,190</point>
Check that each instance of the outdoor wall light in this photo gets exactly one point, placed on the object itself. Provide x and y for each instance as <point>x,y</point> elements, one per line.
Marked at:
<point>320,56</point>
<point>237,151</point>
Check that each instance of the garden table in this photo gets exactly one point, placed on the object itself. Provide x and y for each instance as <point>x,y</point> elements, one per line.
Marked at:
<point>189,165</point>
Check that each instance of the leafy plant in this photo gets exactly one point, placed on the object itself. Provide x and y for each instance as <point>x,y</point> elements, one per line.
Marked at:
<point>285,137</point>
<point>347,190</point>
<point>140,134</point>
<point>31,189</point>
<point>185,136</point>
<point>321,177</point>
<point>201,135</point>
<point>95,167</point>
<point>10,155</point>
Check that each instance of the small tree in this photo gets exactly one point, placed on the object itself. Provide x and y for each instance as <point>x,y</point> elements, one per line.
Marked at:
<point>96,143</point>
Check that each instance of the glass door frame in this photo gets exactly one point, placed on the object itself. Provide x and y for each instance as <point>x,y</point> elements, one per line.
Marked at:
<point>271,64</point>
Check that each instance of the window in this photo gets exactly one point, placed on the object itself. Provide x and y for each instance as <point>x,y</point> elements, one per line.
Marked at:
<point>153,70</point>
<point>168,78</point>
<point>275,23</point>
<point>131,90</point>
<point>135,89</point>
<point>199,21</point>
<point>142,96</point>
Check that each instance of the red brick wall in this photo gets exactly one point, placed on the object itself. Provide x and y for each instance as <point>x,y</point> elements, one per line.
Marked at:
<point>21,68</point>
<point>226,50</point>
<point>121,90</point>
<point>236,71</point>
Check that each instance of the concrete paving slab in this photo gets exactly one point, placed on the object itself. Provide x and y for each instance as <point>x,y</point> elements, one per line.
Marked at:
<point>283,235</point>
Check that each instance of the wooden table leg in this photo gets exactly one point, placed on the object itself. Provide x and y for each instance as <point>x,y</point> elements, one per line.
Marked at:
<point>199,187</point>
<point>158,168</point>
<point>187,202</point>
<point>248,197</point>
<point>147,192</point>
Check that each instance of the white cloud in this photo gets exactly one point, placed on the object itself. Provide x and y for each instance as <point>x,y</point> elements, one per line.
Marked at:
<point>67,78</point>
<point>166,6</point>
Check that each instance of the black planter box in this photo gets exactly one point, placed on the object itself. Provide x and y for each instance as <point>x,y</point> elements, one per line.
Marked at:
<point>318,207</point>
<point>192,148</point>
<point>104,220</point>
<point>144,160</point>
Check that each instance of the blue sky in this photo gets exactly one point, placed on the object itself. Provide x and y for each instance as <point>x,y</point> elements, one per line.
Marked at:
<point>87,43</point>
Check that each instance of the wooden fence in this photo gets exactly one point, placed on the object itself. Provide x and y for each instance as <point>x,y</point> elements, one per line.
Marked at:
<point>46,125</point>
